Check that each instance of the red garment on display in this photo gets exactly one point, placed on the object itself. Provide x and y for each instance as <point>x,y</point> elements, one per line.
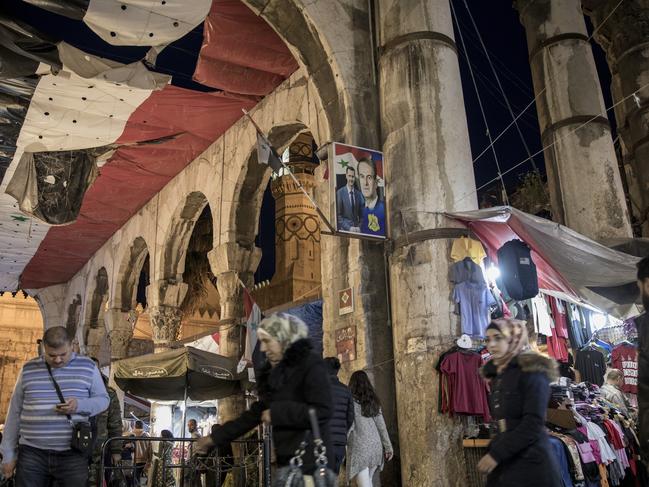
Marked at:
<point>467,390</point>
<point>560,317</point>
<point>558,348</point>
<point>625,358</point>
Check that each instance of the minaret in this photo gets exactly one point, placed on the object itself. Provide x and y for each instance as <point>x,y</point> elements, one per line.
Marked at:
<point>297,231</point>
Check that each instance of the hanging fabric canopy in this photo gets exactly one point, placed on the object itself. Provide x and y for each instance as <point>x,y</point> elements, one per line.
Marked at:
<point>176,374</point>
<point>568,264</point>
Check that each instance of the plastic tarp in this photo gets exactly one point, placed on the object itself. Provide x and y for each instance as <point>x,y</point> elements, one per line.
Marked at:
<point>311,314</point>
<point>134,175</point>
<point>172,374</point>
<point>133,22</point>
<point>241,53</point>
<point>567,262</point>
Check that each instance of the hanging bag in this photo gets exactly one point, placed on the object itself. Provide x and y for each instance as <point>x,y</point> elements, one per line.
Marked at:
<point>323,475</point>
<point>82,435</point>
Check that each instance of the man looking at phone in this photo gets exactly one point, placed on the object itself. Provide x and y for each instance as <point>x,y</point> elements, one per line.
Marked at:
<point>36,446</point>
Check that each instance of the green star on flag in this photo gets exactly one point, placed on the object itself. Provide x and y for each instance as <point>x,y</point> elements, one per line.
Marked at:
<point>343,163</point>
<point>19,218</point>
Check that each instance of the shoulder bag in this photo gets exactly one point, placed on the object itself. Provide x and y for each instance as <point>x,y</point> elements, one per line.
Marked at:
<point>82,435</point>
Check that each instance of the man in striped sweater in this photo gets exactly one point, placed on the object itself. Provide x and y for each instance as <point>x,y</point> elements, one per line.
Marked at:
<point>36,444</point>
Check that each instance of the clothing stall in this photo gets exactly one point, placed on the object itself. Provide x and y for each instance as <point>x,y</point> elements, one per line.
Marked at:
<point>578,299</point>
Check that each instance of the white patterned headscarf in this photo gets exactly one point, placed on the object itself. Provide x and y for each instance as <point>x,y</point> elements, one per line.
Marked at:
<point>285,328</point>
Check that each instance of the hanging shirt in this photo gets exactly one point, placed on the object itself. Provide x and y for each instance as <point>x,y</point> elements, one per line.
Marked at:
<point>468,391</point>
<point>558,348</point>
<point>542,319</point>
<point>625,358</point>
<point>591,365</point>
<point>474,300</point>
<point>559,316</point>
<point>464,247</point>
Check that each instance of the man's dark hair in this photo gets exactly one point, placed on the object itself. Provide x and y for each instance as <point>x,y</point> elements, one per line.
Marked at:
<point>350,168</point>
<point>643,269</point>
<point>370,162</point>
<point>192,421</point>
<point>139,424</point>
<point>56,337</point>
<point>333,363</point>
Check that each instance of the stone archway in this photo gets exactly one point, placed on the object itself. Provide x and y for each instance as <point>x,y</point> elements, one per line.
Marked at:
<point>73,315</point>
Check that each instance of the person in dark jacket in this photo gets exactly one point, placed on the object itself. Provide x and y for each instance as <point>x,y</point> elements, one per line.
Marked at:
<point>293,380</point>
<point>521,453</point>
<point>343,413</point>
<point>642,324</point>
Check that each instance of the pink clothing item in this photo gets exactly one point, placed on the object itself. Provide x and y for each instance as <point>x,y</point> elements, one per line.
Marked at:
<point>468,390</point>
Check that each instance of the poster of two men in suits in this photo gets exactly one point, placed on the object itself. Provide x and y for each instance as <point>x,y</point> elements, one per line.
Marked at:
<point>360,191</point>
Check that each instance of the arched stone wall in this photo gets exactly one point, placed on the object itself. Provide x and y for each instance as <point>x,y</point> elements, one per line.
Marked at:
<point>129,273</point>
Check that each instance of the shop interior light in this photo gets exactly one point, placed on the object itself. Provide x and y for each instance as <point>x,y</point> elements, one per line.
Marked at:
<point>493,273</point>
<point>599,321</point>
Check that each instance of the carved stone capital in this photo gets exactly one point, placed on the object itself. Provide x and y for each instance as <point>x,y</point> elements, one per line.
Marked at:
<point>120,331</point>
<point>232,257</point>
<point>165,325</point>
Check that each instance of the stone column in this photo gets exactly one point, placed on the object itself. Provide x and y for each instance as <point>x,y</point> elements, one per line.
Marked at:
<point>624,35</point>
<point>585,186</point>
<point>120,332</point>
<point>232,264</point>
<point>428,157</point>
<point>164,298</point>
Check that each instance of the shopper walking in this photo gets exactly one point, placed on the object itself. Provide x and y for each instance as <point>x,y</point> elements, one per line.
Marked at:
<point>369,444</point>
<point>343,414</point>
<point>520,389</point>
<point>37,436</point>
<point>163,473</point>
<point>143,452</point>
<point>612,392</point>
<point>293,380</point>
<point>109,425</point>
<point>642,324</point>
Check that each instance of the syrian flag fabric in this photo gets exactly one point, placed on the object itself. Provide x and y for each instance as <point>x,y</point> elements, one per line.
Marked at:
<point>253,315</point>
<point>267,154</point>
<point>133,22</point>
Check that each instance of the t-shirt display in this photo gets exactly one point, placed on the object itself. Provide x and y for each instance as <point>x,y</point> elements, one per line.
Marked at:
<point>474,300</point>
<point>591,365</point>
<point>464,247</point>
<point>463,390</point>
<point>625,359</point>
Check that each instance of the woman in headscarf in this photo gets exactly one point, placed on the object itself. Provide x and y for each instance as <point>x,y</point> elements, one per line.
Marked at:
<point>293,380</point>
<point>520,390</point>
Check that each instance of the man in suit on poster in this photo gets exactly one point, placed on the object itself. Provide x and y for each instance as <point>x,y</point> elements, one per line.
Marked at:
<point>349,204</point>
<point>373,212</point>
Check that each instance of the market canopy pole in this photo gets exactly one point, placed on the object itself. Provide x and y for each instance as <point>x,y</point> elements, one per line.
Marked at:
<point>267,155</point>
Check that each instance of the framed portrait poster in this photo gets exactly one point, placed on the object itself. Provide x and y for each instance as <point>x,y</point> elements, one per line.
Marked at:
<point>359,186</point>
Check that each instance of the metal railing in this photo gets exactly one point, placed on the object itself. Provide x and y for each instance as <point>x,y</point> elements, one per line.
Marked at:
<point>186,468</point>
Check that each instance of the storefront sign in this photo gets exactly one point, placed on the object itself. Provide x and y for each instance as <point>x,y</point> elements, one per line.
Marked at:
<point>346,343</point>
<point>345,301</point>
<point>149,371</point>
<point>359,186</point>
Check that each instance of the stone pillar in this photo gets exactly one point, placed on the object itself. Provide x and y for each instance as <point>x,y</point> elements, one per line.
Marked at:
<point>624,35</point>
<point>120,332</point>
<point>585,186</point>
<point>426,144</point>
<point>232,264</point>
<point>164,299</point>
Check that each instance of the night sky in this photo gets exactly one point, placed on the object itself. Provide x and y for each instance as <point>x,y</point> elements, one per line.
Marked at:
<point>501,31</point>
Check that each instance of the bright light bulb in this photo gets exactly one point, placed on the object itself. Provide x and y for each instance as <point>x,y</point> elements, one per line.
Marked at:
<point>493,273</point>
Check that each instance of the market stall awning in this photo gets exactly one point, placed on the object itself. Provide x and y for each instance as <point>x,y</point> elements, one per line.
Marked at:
<point>567,262</point>
<point>172,374</point>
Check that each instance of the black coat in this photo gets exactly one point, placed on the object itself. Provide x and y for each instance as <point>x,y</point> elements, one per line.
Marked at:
<point>343,411</point>
<point>642,324</point>
<point>300,381</point>
<point>519,399</point>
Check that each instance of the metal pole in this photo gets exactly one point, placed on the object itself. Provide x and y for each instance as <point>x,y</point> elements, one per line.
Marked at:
<point>182,455</point>
<point>266,454</point>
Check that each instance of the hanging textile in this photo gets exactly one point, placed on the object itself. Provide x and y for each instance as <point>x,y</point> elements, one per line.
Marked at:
<point>591,365</point>
<point>625,358</point>
<point>463,391</point>
<point>465,247</point>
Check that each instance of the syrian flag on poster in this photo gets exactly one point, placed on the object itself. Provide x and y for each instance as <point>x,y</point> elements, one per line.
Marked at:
<point>253,317</point>
<point>348,156</point>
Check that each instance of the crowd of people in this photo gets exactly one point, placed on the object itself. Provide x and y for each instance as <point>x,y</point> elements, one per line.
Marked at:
<point>61,390</point>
